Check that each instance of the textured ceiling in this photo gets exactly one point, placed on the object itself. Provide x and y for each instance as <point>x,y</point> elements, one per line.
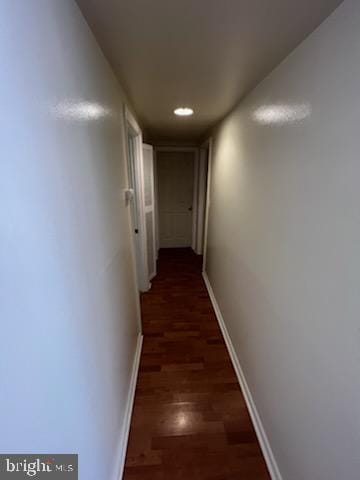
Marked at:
<point>201,53</point>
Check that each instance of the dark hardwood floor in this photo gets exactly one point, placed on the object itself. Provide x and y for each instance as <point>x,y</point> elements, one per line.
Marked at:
<point>190,420</point>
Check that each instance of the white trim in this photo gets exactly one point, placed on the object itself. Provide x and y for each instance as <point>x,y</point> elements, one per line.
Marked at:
<point>195,151</point>
<point>176,149</point>
<point>133,245</point>
<point>128,411</point>
<point>202,195</point>
<point>195,203</point>
<point>209,145</point>
<point>156,198</point>
<point>130,119</point>
<point>133,130</point>
<point>151,209</point>
<point>255,417</point>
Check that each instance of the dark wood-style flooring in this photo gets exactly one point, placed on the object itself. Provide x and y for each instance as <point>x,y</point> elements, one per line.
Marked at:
<point>190,420</point>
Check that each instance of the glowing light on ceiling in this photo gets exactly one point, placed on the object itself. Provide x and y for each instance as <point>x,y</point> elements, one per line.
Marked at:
<point>81,110</point>
<point>281,114</point>
<point>184,111</point>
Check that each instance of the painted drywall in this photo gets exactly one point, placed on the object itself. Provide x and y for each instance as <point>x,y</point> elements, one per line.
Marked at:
<point>203,53</point>
<point>283,249</point>
<point>68,306</point>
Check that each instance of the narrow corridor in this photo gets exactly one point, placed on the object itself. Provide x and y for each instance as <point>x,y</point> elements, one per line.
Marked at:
<point>190,419</point>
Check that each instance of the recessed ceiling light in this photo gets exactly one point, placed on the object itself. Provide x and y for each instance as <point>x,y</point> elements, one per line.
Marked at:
<point>184,111</point>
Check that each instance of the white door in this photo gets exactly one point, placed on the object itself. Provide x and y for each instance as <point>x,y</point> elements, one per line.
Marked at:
<point>149,201</point>
<point>134,209</point>
<point>175,172</point>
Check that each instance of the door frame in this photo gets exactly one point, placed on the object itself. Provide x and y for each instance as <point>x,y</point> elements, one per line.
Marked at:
<point>133,130</point>
<point>151,209</point>
<point>208,144</point>
<point>195,151</point>
<point>202,193</point>
<point>156,193</point>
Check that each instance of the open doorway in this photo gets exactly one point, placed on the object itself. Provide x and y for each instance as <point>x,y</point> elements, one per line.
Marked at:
<point>202,181</point>
<point>141,200</point>
<point>204,198</point>
<point>182,185</point>
<point>176,196</point>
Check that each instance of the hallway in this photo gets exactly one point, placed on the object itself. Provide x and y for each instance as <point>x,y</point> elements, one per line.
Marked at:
<point>190,419</point>
<point>137,139</point>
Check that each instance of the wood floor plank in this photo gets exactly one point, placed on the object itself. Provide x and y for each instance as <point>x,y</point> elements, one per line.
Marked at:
<point>189,419</point>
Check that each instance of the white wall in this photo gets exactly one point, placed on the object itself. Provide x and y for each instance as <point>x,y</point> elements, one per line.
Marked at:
<point>283,249</point>
<point>68,305</point>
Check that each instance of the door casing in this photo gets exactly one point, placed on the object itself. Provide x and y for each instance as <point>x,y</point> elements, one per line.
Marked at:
<point>195,151</point>
<point>135,172</point>
<point>149,208</point>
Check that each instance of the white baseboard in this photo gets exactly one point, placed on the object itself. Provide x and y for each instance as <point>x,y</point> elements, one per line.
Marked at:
<point>129,408</point>
<point>259,428</point>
